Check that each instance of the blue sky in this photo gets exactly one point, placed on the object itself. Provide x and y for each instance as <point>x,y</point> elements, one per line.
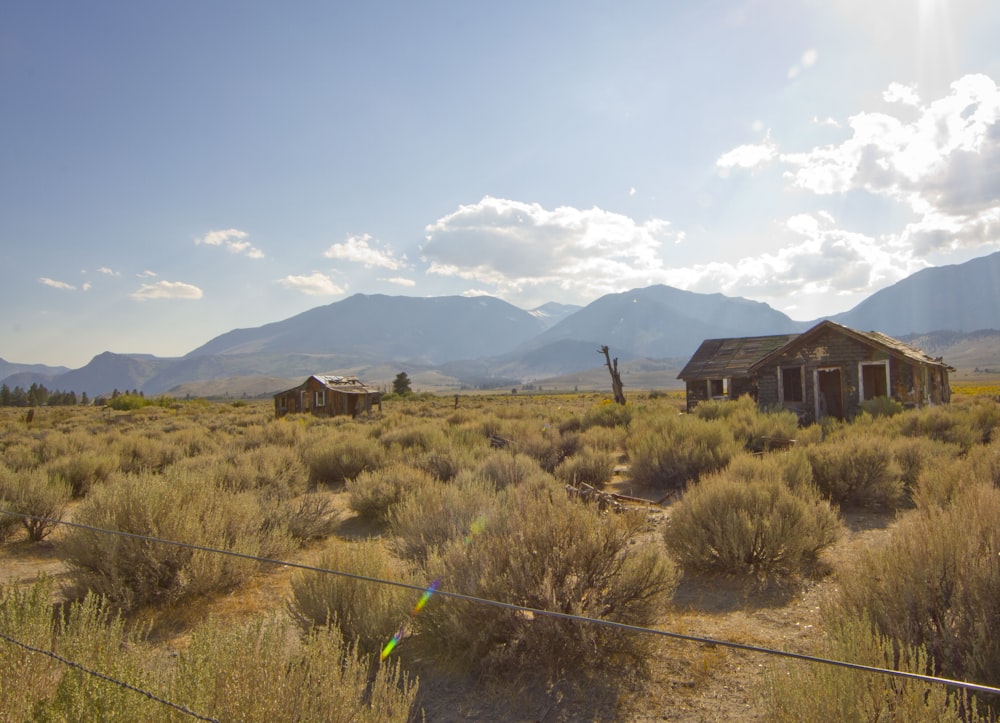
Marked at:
<point>172,171</point>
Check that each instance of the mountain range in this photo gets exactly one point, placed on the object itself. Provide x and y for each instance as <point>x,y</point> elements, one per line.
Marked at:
<point>484,341</point>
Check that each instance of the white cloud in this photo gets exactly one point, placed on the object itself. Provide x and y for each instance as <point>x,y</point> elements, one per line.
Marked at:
<point>315,284</point>
<point>808,59</point>
<point>899,93</point>
<point>399,281</point>
<point>108,272</point>
<point>56,284</point>
<point>233,240</point>
<point>940,160</point>
<point>473,293</point>
<point>359,249</point>
<point>535,254</point>
<point>147,274</point>
<point>87,286</point>
<point>167,290</point>
<point>747,156</point>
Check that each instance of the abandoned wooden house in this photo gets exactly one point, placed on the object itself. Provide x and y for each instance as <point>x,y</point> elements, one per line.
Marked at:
<point>328,396</point>
<point>828,370</point>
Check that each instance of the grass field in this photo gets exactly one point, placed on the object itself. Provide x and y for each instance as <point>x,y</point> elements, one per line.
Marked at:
<point>729,523</point>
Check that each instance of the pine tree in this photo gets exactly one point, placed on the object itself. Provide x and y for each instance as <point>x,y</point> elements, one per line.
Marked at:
<point>401,384</point>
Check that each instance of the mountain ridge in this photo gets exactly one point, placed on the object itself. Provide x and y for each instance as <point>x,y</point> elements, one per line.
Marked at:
<point>485,341</point>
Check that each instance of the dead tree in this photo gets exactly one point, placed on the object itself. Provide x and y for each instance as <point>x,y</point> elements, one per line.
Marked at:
<point>616,379</point>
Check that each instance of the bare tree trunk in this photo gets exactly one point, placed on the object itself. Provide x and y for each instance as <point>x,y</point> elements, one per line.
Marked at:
<point>616,380</point>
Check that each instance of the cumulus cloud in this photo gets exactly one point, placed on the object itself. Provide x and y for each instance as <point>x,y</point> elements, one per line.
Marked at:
<point>359,249</point>
<point>108,271</point>
<point>147,274</point>
<point>56,284</point>
<point>941,160</point>
<point>167,290</point>
<point>314,284</point>
<point>522,249</point>
<point>747,156</point>
<point>233,240</point>
<point>399,281</point>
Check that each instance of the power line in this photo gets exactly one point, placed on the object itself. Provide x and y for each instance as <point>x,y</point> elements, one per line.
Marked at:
<point>107,678</point>
<point>965,685</point>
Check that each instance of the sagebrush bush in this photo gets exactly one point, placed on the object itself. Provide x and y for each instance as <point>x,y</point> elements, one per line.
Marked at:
<point>37,687</point>
<point>942,425</point>
<point>429,516</point>
<point>276,472</point>
<point>83,470</point>
<point>504,469</point>
<point>545,551</point>
<point>371,494</point>
<point>131,572</point>
<point>31,492</point>
<point>366,612</point>
<point>592,467</point>
<point>138,453</point>
<point>857,470</point>
<point>607,414</point>
<point>881,407</point>
<point>420,437</point>
<point>311,516</point>
<point>334,460</point>
<point>791,467</point>
<point>934,583</point>
<point>250,672</point>
<point>752,427</point>
<point>757,528</point>
<point>670,452</point>
<point>796,692</point>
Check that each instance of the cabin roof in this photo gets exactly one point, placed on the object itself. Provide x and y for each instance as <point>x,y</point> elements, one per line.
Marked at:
<point>872,338</point>
<point>721,358</point>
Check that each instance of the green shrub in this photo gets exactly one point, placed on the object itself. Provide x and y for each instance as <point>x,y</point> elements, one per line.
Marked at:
<point>429,516</point>
<point>591,467</point>
<point>131,572</point>
<point>941,424</point>
<point>796,692</point>
<point>791,467</point>
<point>414,437</point>
<point>30,492</point>
<point>857,470</point>
<point>754,429</point>
<point>881,407</point>
<point>371,494</point>
<point>670,452</point>
<point>310,517</point>
<point>365,612</point>
<point>36,687</point>
<point>757,528</point>
<point>607,414</point>
<point>83,470</point>
<point>504,469</point>
<point>934,584</point>
<point>546,552</point>
<point>250,672</point>
<point>138,453</point>
<point>333,461</point>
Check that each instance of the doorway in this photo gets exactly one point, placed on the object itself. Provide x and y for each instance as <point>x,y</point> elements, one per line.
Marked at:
<point>829,393</point>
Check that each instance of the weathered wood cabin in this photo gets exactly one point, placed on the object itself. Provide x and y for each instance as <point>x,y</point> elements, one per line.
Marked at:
<point>828,370</point>
<point>327,396</point>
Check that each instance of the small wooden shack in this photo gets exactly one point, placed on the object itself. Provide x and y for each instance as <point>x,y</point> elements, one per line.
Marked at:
<point>328,396</point>
<point>828,370</point>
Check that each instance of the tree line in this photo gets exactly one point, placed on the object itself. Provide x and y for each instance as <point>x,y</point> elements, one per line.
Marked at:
<point>37,395</point>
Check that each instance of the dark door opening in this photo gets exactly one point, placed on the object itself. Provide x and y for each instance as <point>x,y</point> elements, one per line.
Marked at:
<point>829,393</point>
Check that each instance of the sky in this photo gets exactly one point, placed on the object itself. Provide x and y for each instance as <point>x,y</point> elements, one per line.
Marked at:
<point>172,171</point>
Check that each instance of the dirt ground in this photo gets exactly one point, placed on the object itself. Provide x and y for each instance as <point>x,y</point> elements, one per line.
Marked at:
<point>686,681</point>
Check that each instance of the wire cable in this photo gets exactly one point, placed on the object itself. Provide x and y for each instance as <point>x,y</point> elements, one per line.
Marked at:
<point>107,678</point>
<point>965,685</point>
